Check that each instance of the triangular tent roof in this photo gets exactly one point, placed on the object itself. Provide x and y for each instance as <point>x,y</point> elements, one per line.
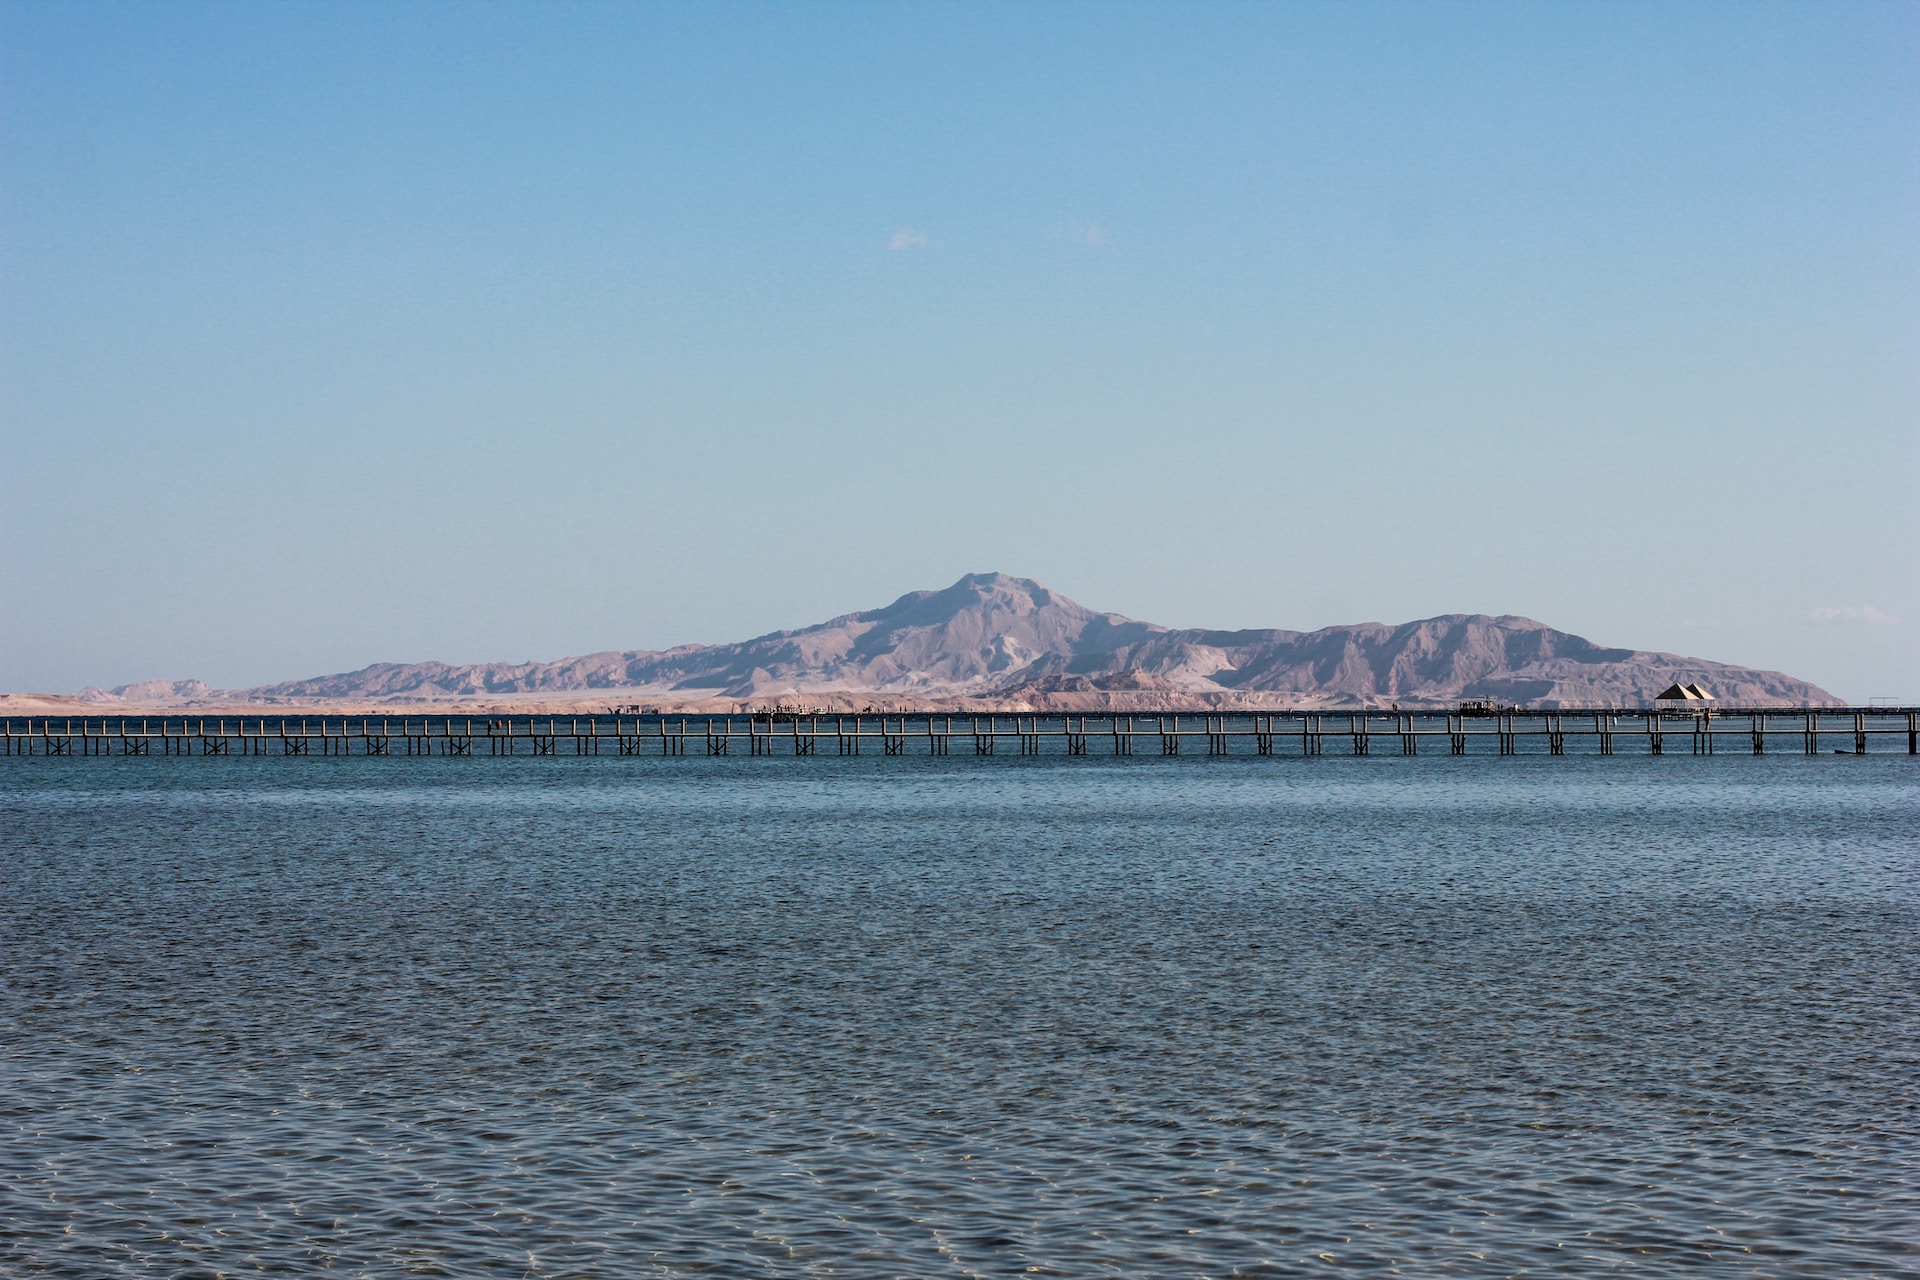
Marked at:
<point>1678,693</point>
<point>1699,693</point>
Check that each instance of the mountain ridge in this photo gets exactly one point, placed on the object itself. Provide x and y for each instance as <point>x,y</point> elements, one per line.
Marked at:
<point>997,638</point>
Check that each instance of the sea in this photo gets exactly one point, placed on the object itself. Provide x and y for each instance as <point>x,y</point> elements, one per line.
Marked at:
<point>915,1017</point>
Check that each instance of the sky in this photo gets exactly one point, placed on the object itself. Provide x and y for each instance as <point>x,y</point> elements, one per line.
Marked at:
<point>333,334</point>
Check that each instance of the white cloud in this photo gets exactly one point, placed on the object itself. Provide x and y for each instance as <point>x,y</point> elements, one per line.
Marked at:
<point>1073,231</point>
<point>1860,613</point>
<point>908,238</point>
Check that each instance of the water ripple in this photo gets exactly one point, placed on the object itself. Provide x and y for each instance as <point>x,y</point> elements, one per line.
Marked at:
<point>903,1018</point>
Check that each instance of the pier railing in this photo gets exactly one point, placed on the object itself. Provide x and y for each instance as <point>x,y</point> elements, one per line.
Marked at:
<point>1644,731</point>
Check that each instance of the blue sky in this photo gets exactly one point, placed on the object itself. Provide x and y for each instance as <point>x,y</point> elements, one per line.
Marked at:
<point>340,333</point>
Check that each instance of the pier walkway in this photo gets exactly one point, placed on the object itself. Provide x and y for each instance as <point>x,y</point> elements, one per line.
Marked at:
<point>1639,731</point>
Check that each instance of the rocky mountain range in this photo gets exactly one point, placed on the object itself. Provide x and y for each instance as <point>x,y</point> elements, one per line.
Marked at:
<point>995,640</point>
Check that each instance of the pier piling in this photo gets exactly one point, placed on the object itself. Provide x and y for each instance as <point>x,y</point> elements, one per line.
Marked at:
<point>1073,734</point>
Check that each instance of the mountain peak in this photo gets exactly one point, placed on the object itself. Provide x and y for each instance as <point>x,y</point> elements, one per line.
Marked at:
<point>1004,587</point>
<point>995,596</point>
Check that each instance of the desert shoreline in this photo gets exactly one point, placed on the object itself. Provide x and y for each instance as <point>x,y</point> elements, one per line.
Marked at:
<point>627,702</point>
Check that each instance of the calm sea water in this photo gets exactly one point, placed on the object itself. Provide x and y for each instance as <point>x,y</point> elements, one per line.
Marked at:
<point>619,1017</point>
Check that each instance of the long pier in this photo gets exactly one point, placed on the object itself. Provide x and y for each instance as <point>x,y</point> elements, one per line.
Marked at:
<point>1642,731</point>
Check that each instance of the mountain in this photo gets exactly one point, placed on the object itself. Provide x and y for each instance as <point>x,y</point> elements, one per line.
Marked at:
<point>1013,642</point>
<point>150,692</point>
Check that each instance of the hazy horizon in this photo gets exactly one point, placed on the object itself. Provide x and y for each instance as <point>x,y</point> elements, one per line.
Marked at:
<point>336,335</point>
